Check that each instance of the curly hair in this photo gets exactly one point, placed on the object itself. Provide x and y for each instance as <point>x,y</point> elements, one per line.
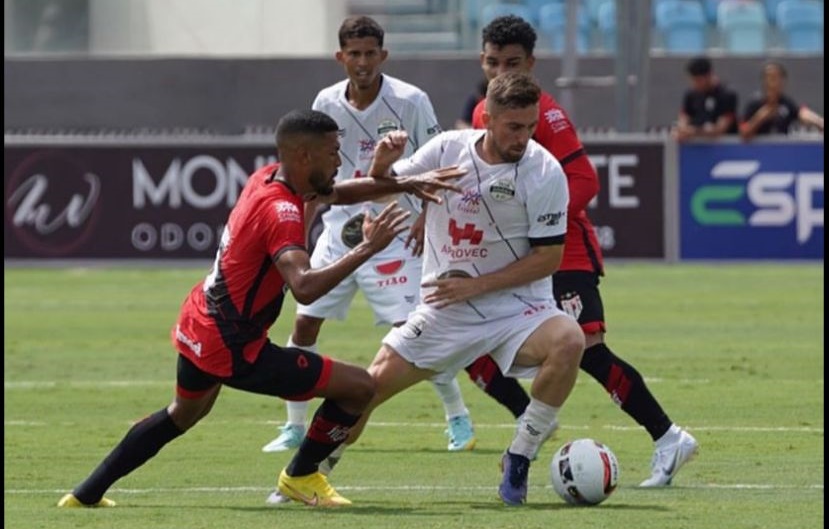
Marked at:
<point>510,29</point>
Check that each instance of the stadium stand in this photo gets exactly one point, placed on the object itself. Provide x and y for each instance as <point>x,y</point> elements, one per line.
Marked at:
<point>681,25</point>
<point>801,25</point>
<point>743,26</point>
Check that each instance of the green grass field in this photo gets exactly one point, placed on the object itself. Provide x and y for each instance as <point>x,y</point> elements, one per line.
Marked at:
<point>733,352</point>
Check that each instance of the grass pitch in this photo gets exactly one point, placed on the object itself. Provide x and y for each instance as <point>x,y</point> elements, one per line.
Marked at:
<point>733,352</point>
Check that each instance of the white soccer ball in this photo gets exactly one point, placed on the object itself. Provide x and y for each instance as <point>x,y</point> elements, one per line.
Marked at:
<point>584,472</point>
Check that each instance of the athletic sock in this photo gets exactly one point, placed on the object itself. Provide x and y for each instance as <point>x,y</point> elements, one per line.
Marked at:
<point>485,373</point>
<point>626,388</point>
<point>450,395</point>
<point>534,427</point>
<point>329,428</point>
<point>142,442</point>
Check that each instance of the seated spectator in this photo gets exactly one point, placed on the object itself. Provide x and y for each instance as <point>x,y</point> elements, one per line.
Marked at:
<point>709,108</point>
<point>771,111</point>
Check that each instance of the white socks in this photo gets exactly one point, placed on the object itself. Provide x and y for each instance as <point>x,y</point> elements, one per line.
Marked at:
<point>450,395</point>
<point>298,411</point>
<point>534,427</point>
<point>670,437</point>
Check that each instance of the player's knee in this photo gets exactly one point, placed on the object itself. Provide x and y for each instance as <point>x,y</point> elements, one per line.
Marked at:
<point>570,345</point>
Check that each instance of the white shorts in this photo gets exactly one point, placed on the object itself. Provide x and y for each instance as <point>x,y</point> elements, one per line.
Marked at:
<point>434,339</point>
<point>390,284</point>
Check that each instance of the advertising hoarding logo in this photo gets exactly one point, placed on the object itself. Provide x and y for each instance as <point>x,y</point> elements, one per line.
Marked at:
<point>761,200</point>
<point>52,203</point>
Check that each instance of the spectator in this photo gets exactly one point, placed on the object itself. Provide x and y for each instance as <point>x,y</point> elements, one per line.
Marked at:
<point>771,111</point>
<point>709,108</point>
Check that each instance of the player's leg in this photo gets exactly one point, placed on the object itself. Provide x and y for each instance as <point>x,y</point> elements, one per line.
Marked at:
<point>578,294</point>
<point>552,351</point>
<point>307,325</point>
<point>196,392</point>
<point>392,288</point>
<point>507,391</point>
<point>459,425</point>
<point>304,336</point>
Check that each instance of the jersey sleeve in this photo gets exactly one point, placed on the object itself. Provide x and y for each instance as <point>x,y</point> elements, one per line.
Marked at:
<point>426,124</point>
<point>555,132</point>
<point>547,198</point>
<point>424,159</point>
<point>283,227</point>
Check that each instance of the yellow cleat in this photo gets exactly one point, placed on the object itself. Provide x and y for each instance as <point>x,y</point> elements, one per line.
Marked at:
<point>313,490</point>
<point>70,501</point>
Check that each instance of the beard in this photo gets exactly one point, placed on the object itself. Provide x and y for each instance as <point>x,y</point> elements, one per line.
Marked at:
<point>323,185</point>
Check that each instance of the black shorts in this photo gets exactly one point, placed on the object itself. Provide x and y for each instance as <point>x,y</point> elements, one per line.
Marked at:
<point>285,372</point>
<point>577,294</point>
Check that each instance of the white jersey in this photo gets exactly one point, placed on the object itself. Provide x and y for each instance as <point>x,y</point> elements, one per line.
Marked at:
<point>398,106</point>
<point>504,209</point>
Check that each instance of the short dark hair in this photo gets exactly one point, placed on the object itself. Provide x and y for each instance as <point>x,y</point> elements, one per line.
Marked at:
<point>360,28</point>
<point>513,90</point>
<point>303,122</point>
<point>699,66</point>
<point>509,29</point>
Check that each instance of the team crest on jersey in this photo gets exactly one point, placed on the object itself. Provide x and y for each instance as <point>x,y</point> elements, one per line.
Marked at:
<point>385,127</point>
<point>470,202</point>
<point>287,212</point>
<point>502,190</point>
<point>413,327</point>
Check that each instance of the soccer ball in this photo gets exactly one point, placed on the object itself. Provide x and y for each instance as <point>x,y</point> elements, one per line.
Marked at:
<point>584,472</point>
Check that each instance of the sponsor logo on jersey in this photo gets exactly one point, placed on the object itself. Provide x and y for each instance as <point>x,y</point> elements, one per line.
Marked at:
<point>389,268</point>
<point>287,212</point>
<point>431,131</point>
<point>550,219</point>
<point>502,190</point>
<point>470,202</point>
<point>556,119</point>
<point>341,133</point>
<point>366,149</point>
<point>191,344</point>
<point>385,127</point>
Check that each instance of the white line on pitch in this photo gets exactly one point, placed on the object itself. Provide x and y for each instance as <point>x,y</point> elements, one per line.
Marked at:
<point>408,488</point>
<point>799,429</point>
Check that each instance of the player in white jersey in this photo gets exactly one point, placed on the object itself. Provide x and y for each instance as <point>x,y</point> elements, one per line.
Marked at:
<point>368,105</point>
<point>490,253</point>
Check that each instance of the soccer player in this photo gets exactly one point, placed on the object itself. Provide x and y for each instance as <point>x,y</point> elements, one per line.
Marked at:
<point>508,44</point>
<point>487,287</point>
<point>221,332</point>
<point>368,105</point>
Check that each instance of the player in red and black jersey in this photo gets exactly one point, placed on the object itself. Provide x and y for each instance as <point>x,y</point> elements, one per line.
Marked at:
<point>221,332</point>
<point>508,43</point>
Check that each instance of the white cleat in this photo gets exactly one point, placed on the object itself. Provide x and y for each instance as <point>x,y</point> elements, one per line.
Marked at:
<point>668,460</point>
<point>290,439</point>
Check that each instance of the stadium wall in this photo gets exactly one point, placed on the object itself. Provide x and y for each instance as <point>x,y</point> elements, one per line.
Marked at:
<point>230,96</point>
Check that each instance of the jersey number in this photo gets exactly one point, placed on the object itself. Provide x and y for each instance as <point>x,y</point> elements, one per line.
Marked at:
<point>467,233</point>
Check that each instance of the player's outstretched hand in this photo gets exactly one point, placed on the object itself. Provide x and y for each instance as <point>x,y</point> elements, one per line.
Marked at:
<point>389,149</point>
<point>380,231</point>
<point>427,186</point>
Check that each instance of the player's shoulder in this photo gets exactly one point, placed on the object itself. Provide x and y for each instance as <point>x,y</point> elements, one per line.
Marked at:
<point>331,93</point>
<point>401,89</point>
<point>539,158</point>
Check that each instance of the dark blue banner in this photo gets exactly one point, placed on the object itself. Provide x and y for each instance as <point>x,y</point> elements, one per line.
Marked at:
<point>753,200</point>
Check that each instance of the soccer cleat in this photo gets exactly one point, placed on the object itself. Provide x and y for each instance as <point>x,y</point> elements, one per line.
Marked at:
<point>276,499</point>
<point>461,434</point>
<point>290,438</point>
<point>667,461</point>
<point>70,501</point>
<point>513,487</point>
<point>313,490</point>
